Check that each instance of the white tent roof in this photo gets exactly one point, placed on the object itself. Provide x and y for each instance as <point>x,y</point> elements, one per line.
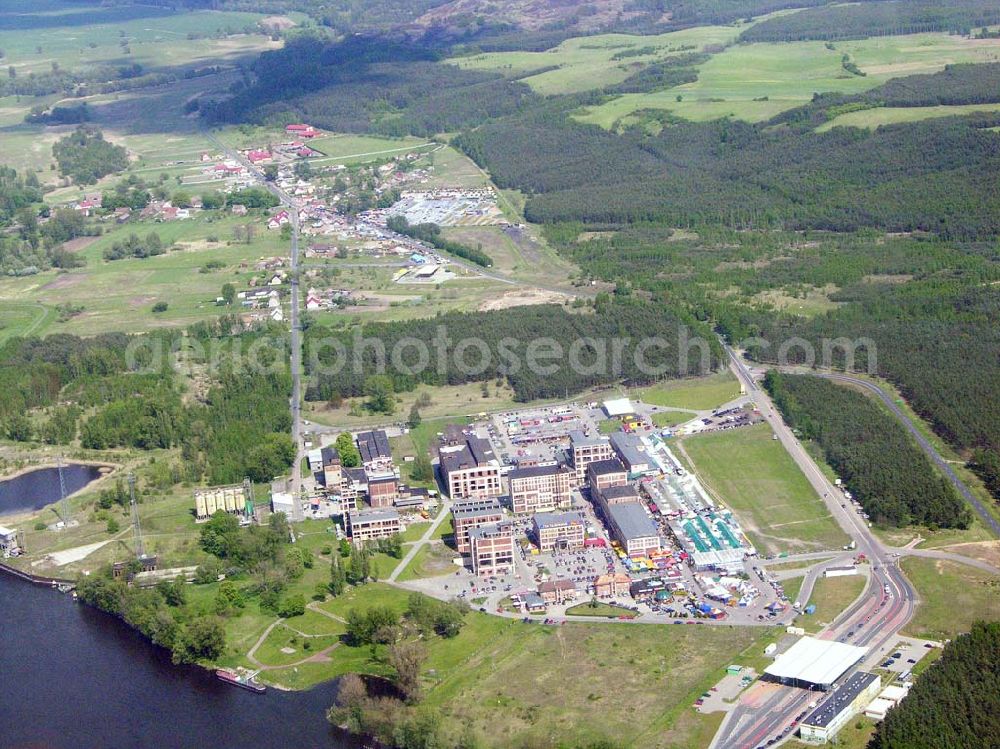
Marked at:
<point>815,661</point>
<point>618,407</point>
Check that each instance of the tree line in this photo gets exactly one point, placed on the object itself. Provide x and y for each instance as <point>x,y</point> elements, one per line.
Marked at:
<point>868,19</point>
<point>891,477</point>
<point>430,233</point>
<point>505,338</point>
<point>955,703</point>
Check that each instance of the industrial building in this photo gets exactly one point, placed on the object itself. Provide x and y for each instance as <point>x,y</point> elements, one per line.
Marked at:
<point>365,525</point>
<point>814,664</point>
<point>383,490</point>
<point>473,514</point>
<point>633,453</point>
<point>9,544</point>
<point>849,699</point>
<point>563,532</point>
<point>470,468</point>
<point>631,527</point>
<point>491,548</point>
<point>235,500</point>
<point>618,407</point>
<point>376,457</point>
<point>602,474</point>
<point>540,489</point>
<point>585,450</point>
<point>887,699</point>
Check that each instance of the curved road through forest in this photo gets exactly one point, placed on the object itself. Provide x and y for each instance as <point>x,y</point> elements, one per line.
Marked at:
<point>981,510</point>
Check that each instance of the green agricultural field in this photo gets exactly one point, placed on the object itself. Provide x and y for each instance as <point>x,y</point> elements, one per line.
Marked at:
<point>700,394</point>
<point>757,478</point>
<point>832,595</point>
<point>873,118</point>
<point>119,295</point>
<point>585,63</point>
<point>757,81</point>
<point>952,597</point>
<point>156,41</point>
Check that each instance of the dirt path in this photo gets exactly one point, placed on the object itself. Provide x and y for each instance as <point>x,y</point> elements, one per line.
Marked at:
<point>320,657</point>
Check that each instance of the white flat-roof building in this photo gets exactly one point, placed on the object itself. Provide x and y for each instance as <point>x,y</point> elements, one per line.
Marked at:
<point>877,708</point>
<point>842,704</point>
<point>814,664</point>
<point>618,407</point>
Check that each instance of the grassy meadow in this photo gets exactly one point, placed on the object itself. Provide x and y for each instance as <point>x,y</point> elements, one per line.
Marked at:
<point>120,294</point>
<point>586,63</point>
<point>88,38</point>
<point>757,478</point>
<point>697,394</point>
<point>755,82</point>
<point>952,597</point>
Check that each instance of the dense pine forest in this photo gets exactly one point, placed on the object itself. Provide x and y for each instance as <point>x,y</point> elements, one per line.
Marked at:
<point>502,340</point>
<point>894,481</point>
<point>109,391</point>
<point>956,703</point>
<point>875,19</point>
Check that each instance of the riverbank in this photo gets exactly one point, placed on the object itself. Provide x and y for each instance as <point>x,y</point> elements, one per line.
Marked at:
<point>58,652</point>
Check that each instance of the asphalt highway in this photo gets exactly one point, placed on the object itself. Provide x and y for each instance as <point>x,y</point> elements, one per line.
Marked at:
<point>873,621</point>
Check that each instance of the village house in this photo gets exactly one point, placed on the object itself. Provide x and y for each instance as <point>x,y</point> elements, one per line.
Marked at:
<point>301,130</point>
<point>278,220</point>
<point>89,204</point>
<point>256,156</point>
<point>557,591</point>
<point>612,586</point>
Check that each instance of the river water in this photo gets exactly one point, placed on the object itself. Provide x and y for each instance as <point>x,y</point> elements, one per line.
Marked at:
<point>72,677</point>
<point>36,489</point>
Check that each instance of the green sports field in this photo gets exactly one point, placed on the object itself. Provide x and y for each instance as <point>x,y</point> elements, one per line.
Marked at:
<point>757,478</point>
